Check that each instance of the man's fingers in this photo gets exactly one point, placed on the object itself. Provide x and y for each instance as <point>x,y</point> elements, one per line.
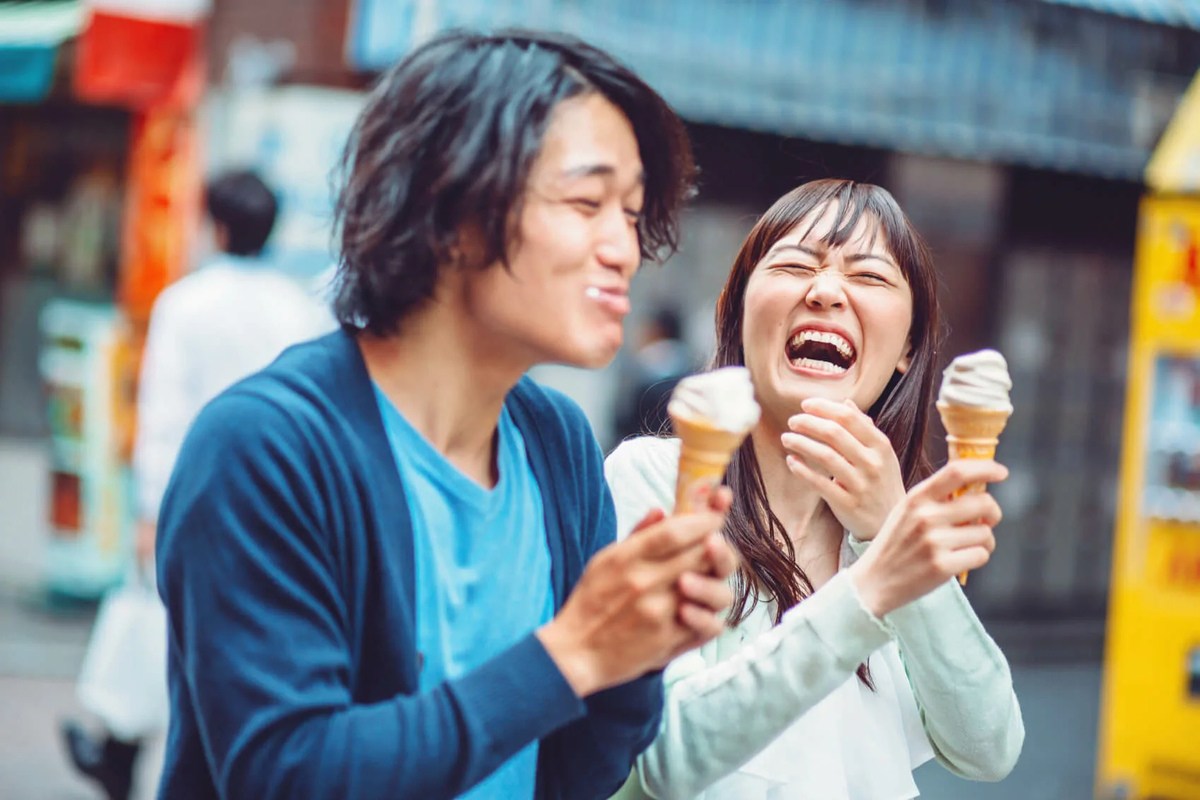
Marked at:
<point>703,623</point>
<point>707,592</point>
<point>721,556</point>
<point>668,537</point>
<point>959,475</point>
<point>720,500</point>
<point>656,515</point>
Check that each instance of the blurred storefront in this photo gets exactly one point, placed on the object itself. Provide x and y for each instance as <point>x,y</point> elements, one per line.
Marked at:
<point>99,178</point>
<point>1152,661</point>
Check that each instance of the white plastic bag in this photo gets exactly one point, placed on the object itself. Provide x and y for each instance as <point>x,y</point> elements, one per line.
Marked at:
<point>123,680</point>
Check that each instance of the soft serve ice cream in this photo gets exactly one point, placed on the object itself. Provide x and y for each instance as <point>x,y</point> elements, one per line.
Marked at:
<point>723,399</point>
<point>711,413</point>
<point>975,406</point>
<point>977,380</point>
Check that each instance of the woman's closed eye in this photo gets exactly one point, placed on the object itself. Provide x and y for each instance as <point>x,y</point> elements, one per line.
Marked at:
<point>805,269</point>
<point>871,277</point>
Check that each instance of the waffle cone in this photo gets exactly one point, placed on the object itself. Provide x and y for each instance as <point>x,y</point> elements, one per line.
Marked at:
<point>972,433</point>
<point>704,455</point>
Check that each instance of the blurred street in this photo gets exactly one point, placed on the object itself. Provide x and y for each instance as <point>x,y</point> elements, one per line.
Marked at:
<point>1059,702</point>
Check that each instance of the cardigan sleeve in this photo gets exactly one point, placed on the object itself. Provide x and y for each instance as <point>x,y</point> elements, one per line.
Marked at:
<point>962,683</point>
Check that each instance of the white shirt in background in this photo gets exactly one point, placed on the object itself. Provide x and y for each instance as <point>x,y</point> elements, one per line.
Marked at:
<point>209,330</point>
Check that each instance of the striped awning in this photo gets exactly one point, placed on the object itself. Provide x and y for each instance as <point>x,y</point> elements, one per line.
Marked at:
<point>1012,82</point>
<point>1181,13</point>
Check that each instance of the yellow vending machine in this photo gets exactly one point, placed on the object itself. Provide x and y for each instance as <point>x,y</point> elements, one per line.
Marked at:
<point>1150,708</point>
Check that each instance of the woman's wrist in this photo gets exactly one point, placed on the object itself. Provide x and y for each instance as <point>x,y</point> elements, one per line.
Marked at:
<point>872,590</point>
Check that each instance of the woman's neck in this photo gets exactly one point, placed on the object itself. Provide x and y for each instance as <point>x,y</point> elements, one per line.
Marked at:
<point>814,531</point>
<point>449,381</point>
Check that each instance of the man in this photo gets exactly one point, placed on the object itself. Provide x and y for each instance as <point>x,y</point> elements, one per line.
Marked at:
<point>226,320</point>
<point>387,558</point>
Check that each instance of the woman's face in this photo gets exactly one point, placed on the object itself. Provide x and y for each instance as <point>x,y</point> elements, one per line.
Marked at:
<point>823,321</point>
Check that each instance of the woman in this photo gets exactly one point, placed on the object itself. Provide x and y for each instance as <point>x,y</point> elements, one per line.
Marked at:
<point>832,306</point>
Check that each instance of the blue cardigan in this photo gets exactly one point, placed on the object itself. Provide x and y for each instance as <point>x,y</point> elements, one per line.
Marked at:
<point>285,559</point>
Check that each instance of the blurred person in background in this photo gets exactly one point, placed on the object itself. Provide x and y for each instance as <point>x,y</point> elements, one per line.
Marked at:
<point>388,558</point>
<point>213,327</point>
<point>853,656</point>
<point>660,360</point>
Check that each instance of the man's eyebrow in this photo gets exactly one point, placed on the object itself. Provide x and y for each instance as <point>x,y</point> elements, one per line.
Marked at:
<point>597,169</point>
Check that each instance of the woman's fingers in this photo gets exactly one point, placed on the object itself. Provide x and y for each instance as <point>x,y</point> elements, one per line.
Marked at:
<point>822,456</point>
<point>965,537</point>
<point>833,492</point>
<point>848,415</point>
<point>960,474</point>
<point>831,432</point>
<point>966,559</point>
<point>964,510</point>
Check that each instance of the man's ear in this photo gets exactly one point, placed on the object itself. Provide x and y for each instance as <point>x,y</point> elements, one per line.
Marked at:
<point>905,360</point>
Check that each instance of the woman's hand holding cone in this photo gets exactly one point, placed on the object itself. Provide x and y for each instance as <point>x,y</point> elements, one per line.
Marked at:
<point>930,537</point>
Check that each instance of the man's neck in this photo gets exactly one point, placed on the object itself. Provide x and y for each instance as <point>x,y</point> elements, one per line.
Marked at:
<point>815,532</point>
<point>446,380</point>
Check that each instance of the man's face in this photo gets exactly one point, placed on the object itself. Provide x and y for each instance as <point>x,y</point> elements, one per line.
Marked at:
<point>576,248</point>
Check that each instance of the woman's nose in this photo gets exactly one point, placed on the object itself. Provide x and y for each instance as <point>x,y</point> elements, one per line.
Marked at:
<point>826,291</point>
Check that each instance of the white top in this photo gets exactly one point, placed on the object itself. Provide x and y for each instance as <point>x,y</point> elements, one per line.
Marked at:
<point>775,712</point>
<point>209,330</point>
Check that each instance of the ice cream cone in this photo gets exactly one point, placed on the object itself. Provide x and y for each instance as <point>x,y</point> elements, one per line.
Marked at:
<point>704,455</point>
<point>972,433</point>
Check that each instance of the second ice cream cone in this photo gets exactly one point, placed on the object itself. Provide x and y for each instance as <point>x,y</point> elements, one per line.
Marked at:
<point>704,455</point>
<point>972,433</point>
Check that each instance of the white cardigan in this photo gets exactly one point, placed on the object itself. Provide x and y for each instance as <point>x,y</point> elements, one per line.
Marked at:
<point>775,712</point>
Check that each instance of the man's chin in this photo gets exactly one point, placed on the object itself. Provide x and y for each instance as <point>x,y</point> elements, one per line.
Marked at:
<point>597,356</point>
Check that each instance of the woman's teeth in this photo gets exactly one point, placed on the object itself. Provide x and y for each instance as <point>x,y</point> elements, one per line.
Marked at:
<point>844,347</point>
<point>819,366</point>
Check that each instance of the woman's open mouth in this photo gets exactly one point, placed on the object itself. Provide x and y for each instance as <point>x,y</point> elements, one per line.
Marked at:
<point>826,352</point>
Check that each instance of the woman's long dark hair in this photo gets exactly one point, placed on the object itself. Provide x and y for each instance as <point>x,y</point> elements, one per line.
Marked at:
<point>768,559</point>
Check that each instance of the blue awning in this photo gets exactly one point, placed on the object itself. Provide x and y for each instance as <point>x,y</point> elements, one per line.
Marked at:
<point>976,80</point>
<point>1181,13</point>
<point>30,36</point>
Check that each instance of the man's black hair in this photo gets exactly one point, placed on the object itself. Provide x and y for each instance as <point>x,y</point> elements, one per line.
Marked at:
<point>245,208</point>
<point>448,137</point>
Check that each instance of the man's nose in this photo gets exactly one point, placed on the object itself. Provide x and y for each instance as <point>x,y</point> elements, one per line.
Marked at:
<point>620,245</point>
